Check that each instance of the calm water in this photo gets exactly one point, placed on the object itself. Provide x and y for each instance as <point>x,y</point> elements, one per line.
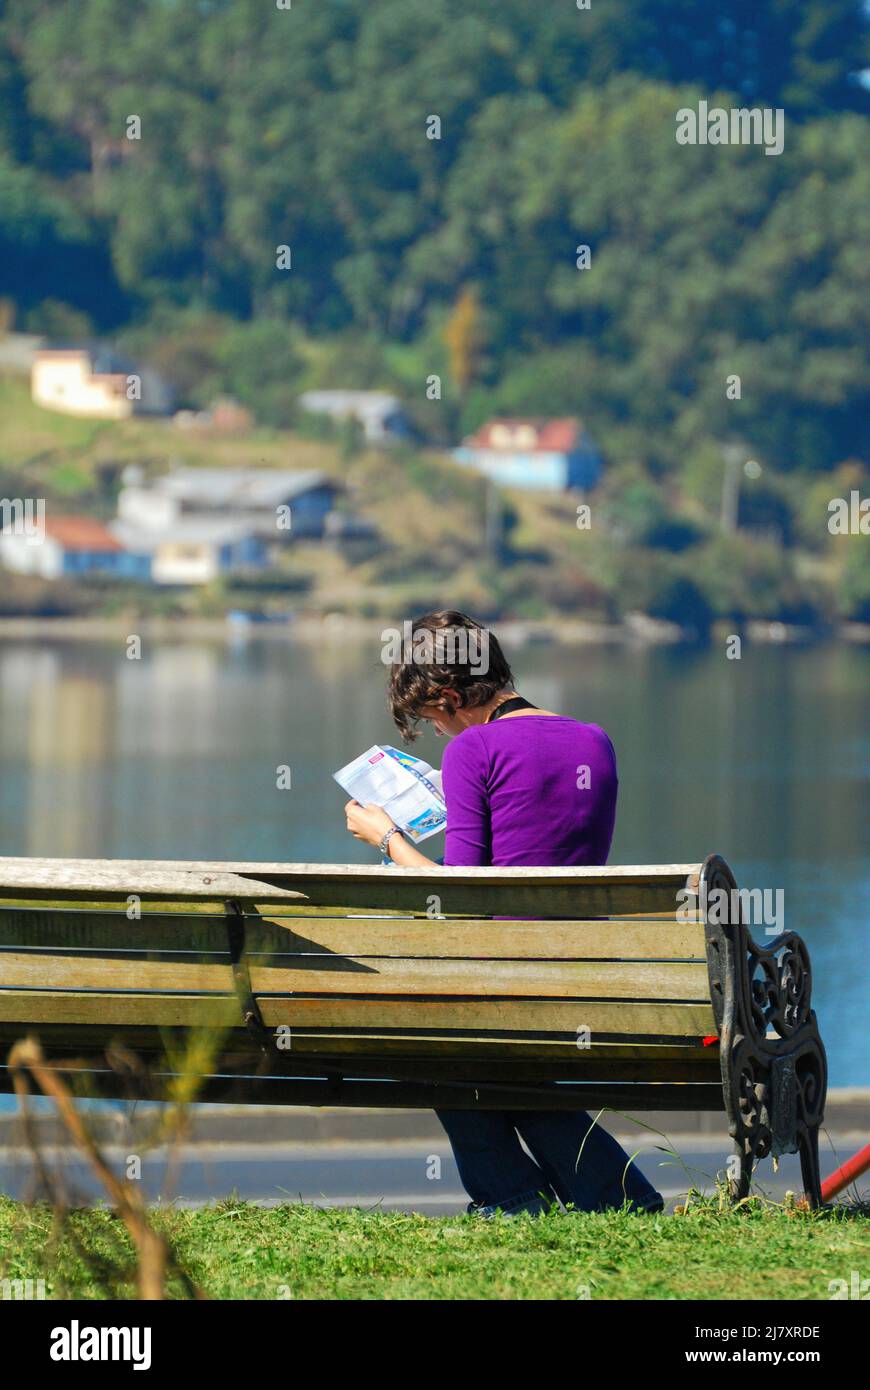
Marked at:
<point>765,760</point>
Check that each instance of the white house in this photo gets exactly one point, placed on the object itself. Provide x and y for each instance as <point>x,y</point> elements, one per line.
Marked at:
<point>380,414</point>
<point>192,550</point>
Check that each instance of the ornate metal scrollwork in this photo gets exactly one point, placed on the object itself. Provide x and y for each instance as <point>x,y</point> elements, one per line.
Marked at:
<point>774,1070</point>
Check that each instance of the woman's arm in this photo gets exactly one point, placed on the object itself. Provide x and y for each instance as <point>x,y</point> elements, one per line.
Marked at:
<point>370,823</point>
<point>469,833</point>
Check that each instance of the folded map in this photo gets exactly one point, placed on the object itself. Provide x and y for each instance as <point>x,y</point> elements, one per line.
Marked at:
<point>408,789</point>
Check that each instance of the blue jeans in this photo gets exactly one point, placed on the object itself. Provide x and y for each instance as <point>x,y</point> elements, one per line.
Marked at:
<point>575,1160</point>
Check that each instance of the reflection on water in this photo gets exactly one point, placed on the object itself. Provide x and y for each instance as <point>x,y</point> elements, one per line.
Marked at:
<point>174,756</point>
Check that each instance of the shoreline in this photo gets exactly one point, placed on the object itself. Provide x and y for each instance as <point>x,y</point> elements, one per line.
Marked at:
<point>637,629</point>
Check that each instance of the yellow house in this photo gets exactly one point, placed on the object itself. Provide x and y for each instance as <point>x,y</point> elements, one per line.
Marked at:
<point>72,380</point>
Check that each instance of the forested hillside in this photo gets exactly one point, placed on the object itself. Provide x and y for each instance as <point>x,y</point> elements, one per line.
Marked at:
<point>422,246</point>
<point>307,126</point>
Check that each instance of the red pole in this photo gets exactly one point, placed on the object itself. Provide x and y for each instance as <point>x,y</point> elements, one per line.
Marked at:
<point>851,1169</point>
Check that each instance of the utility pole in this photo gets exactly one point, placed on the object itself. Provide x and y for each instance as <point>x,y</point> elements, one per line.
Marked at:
<point>492,521</point>
<point>734,455</point>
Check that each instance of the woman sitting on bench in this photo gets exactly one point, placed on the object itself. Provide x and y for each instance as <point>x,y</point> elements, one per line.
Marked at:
<point>522,786</point>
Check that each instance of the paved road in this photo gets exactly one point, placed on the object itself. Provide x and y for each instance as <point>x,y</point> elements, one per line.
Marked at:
<point>406,1175</point>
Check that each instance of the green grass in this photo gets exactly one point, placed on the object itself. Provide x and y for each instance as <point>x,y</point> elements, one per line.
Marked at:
<point>27,429</point>
<point>32,438</point>
<point>237,1251</point>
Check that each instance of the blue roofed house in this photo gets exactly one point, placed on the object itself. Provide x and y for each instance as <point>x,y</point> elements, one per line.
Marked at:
<point>550,455</point>
<point>196,524</point>
<point>278,504</point>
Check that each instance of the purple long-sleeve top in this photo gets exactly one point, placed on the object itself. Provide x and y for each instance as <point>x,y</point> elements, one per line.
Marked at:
<point>535,789</point>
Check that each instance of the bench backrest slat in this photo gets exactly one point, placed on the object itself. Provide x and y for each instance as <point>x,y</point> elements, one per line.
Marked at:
<point>468,939</point>
<point>536,893</point>
<point>357,1016</point>
<point>572,979</point>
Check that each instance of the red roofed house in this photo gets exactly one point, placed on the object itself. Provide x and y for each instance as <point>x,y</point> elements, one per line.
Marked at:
<point>68,546</point>
<point>531,453</point>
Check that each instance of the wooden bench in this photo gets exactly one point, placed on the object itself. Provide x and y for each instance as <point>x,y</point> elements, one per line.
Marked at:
<point>323,984</point>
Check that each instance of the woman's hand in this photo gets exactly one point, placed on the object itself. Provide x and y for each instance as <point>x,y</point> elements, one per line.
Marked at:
<point>369,823</point>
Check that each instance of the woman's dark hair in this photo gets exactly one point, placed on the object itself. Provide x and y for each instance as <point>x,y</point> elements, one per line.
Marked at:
<point>439,652</point>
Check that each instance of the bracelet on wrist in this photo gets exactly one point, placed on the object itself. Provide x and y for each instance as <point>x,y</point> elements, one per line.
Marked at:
<point>385,839</point>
